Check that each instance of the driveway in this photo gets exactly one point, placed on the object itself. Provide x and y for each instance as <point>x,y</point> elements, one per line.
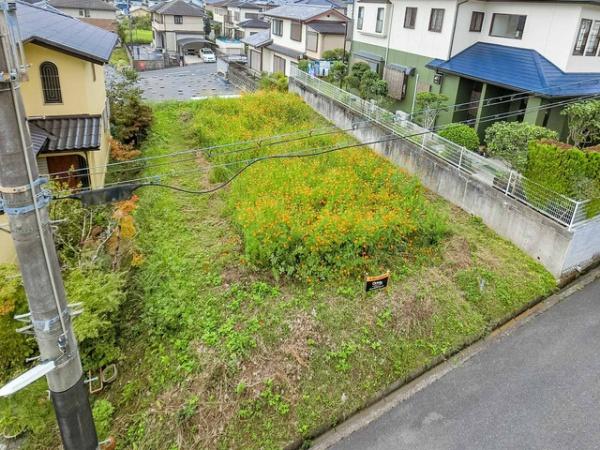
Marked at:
<point>184,83</point>
<point>537,387</point>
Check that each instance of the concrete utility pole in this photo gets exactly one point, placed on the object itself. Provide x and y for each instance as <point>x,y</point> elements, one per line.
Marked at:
<point>26,205</point>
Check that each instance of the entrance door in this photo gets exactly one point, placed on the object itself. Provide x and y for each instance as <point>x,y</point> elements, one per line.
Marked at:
<point>66,169</point>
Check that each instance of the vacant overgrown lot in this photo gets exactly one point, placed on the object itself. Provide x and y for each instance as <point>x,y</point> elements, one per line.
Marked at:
<point>246,325</point>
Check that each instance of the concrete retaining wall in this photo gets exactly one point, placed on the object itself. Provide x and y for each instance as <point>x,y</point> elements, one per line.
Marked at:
<point>557,248</point>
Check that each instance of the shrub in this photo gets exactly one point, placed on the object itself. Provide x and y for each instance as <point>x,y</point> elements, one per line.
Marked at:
<point>509,141</point>
<point>568,171</point>
<point>461,134</point>
<point>357,71</point>
<point>429,105</point>
<point>338,72</point>
<point>274,82</point>
<point>584,122</point>
<point>15,347</point>
<point>336,54</point>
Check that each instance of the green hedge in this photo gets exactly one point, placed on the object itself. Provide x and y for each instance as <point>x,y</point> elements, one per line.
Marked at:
<point>461,134</point>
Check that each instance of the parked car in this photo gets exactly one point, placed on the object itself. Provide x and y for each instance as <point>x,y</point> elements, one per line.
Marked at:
<point>207,55</point>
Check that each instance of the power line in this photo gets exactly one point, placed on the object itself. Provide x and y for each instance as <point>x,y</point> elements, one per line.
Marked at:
<point>488,102</point>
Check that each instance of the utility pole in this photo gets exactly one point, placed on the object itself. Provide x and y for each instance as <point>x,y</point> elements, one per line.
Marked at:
<point>26,204</point>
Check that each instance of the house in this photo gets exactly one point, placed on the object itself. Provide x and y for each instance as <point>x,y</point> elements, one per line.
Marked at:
<point>233,15</point>
<point>252,26</point>
<point>178,27</point>
<point>64,98</point>
<point>94,12</point>
<point>530,54</point>
<point>139,11</point>
<point>298,31</point>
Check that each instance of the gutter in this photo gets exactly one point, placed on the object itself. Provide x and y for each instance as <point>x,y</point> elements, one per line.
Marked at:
<point>459,4</point>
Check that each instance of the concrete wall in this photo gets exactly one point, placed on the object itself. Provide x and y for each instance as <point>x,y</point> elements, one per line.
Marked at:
<point>558,249</point>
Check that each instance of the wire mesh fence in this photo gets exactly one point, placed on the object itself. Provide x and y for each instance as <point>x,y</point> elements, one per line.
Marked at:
<point>563,210</point>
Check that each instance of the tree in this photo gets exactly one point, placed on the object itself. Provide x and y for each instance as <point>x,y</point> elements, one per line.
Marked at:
<point>130,117</point>
<point>357,71</point>
<point>207,27</point>
<point>509,141</point>
<point>429,105</point>
<point>217,29</point>
<point>461,134</point>
<point>584,123</point>
<point>338,72</point>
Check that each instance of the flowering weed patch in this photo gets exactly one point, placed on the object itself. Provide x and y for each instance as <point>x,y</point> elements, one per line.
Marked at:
<point>341,213</point>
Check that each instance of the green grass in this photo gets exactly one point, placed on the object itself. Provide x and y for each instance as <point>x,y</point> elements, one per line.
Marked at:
<point>119,57</point>
<point>221,354</point>
<point>138,36</point>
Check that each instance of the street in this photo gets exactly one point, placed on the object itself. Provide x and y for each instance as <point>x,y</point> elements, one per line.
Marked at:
<point>537,387</point>
<point>184,83</point>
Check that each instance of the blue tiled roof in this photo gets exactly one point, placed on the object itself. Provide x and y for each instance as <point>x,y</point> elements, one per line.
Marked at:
<point>519,69</point>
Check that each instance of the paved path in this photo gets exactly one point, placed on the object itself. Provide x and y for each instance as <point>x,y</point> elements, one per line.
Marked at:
<point>535,388</point>
<point>184,83</point>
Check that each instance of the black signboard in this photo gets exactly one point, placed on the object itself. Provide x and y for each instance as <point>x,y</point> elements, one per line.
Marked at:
<point>378,282</point>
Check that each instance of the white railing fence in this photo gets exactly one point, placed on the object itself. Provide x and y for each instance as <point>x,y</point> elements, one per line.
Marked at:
<point>563,210</point>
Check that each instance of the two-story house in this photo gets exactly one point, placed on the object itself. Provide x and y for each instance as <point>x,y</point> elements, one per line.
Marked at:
<point>64,98</point>
<point>95,12</point>
<point>235,16</point>
<point>529,54</point>
<point>298,31</point>
<point>178,26</point>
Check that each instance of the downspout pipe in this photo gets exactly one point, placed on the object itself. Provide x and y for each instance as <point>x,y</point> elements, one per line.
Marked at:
<point>391,21</point>
<point>459,4</point>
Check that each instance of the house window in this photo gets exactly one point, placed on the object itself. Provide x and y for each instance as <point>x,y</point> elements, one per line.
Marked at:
<point>379,22</point>
<point>410,17</point>
<point>582,36</point>
<point>84,13</point>
<point>50,83</point>
<point>278,64</point>
<point>236,16</point>
<point>251,15</point>
<point>593,40</point>
<point>312,41</point>
<point>507,26</point>
<point>436,20</point>
<point>476,21</point>
<point>296,31</point>
<point>361,18</point>
<point>278,27</point>
<point>178,20</point>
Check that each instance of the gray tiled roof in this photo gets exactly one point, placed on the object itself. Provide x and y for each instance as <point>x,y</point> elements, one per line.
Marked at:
<point>328,27</point>
<point>70,133</point>
<point>39,138</point>
<point>82,4</point>
<point>179,8</point>
<point>259,39</point>
<point>254,23</point>
<point>48,27</point>
<point>297,11</point>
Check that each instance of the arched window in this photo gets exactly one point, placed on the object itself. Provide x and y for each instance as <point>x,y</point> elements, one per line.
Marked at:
<point>50,83</point>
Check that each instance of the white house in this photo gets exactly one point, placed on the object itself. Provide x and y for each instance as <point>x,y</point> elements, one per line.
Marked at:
<point>94,12</point>
<point>298,31</point>
<point>474,50</point>
<point>178,27</point>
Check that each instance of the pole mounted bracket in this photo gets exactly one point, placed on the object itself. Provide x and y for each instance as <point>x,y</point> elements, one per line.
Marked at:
<point>40,200</point>
<point>24,188</point>
<point>27,378</point>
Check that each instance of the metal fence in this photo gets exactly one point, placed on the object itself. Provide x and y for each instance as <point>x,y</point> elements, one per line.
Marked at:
<point>561,209</point>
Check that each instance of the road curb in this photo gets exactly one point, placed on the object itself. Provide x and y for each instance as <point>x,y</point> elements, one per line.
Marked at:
<point>396,393</point>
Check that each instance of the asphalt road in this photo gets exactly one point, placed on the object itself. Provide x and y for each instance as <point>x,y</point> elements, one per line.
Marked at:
<point>184,83</point>
<point>535,388</point>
